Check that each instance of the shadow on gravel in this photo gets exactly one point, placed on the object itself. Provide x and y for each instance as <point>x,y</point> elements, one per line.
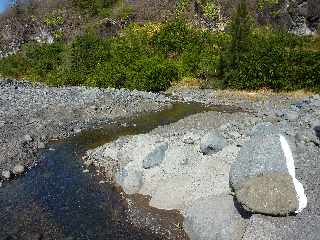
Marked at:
<point>243,212</point>
<point>317,131</point>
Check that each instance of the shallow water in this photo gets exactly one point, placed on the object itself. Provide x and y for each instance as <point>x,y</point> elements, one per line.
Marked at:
<point>57,200</point>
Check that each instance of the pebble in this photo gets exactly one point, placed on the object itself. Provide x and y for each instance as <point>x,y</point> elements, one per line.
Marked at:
<point>76,130</point>
<point>28,138</point>
<point>18,169</point>
<point>88,163</point>
<point>6,174</point>
<point>41,145</point>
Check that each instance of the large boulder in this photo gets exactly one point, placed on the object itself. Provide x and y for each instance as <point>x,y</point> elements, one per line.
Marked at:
<point>316,128</point>
<point>263,128</point>
<point>263,176</point>
<point>214,218</point>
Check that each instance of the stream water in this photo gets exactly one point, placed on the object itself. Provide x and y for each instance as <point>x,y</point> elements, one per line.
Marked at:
<point>57,200</point>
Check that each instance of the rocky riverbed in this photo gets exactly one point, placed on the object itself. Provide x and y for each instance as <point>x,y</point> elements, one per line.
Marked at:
<point>213,168</point>
<point>242,175</point>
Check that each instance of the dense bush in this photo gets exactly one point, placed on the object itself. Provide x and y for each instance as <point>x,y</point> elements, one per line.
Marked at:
<point>94,7</point>
<point>264,58</point>
<point>141,57</point>
<point>152,56</point>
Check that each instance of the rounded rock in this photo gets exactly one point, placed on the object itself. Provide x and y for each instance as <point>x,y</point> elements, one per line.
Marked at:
<point>28,138</point>
<point>6,174</point>
<point>18,169</point>
<point>41,145</point>
<point>212,143</point>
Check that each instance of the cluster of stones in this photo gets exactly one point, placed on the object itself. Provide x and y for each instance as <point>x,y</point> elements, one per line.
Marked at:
<point>18,169</point>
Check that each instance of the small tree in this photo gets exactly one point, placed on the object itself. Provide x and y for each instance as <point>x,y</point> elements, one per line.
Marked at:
<point>240,30</point>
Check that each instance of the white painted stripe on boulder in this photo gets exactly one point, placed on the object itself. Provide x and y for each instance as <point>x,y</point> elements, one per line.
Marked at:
<point>302,198</point>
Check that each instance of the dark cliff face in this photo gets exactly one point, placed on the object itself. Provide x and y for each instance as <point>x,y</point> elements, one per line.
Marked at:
<point>46,23</point>
<point>300,17</point>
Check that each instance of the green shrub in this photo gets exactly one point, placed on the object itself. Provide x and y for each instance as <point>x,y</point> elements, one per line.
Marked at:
<point>53,20</point>
<point>42,59</point>
<point>151,57</point>
<point>152,74</point>
<point>276,60</point>
<point>94,7</point>
<point>174,37</point>
<point>211,10</point>
<point>82,57</point>
<point>14,66</point>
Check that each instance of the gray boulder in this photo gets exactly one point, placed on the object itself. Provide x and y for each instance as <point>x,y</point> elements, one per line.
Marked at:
<point>156,156</point>
<point>316,128</point>
<point>214,218</point>
<point>291,116</point>
<point>263,128</point>
<point>212,143</point>
<point>130,180</point>
<point>260,178</point>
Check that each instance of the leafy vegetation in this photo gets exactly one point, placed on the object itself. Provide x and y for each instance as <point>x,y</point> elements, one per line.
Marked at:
<point>154,56</point>
<point>265,58</point>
